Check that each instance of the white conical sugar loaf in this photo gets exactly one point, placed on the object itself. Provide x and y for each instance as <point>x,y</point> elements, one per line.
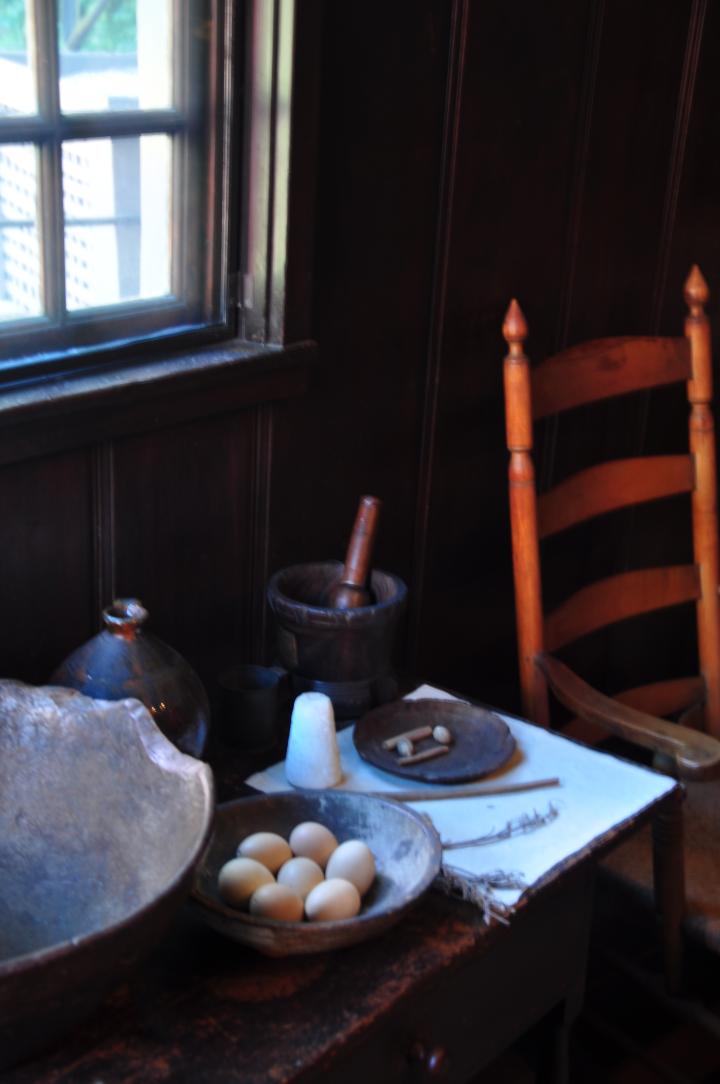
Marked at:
<point>312,758</point>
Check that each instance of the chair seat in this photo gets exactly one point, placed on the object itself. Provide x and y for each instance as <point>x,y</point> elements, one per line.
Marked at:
<point>630,864</point>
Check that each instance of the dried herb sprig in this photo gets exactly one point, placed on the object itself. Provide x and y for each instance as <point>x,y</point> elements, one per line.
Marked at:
<point>520,826</point>
<point>478,888</point>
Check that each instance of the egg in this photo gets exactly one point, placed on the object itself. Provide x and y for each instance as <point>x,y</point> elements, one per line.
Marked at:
<point>240,877</point>
<point>301,875</point>
<point>331,900</point>
<point>276,901</point>
<point>313,840</point>
<point>354,862</point>
<point>266,847</point>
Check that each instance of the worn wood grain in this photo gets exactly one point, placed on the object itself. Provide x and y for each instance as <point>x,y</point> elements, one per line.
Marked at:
<point>608,486</point>
<point>695,755</point>
<point>704,497</point>
<point>205,1008</point>
<point>184,502</point>
<point>48,560</point>
<point>664,697</point>
<point>602,369</point>
<point>523,515</point>
<point>618,597</point>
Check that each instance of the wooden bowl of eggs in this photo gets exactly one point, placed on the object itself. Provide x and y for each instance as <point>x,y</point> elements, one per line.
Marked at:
<point>311,871</point>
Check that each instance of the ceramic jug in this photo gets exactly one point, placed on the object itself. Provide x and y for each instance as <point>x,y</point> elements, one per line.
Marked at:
<point>124,660</point>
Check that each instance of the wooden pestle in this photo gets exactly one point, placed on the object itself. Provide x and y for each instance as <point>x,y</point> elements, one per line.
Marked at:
<point>352,589</point>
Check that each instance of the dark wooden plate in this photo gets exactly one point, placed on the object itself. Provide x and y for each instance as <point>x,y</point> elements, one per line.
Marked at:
<point>482,741</point>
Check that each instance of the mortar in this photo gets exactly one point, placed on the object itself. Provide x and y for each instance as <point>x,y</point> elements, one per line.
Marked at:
<point>346,654</point>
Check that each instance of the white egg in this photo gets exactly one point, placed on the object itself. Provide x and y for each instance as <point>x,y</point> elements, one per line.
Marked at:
<point>266,847</point>
<point>331,900</point>
<point>239,878</point>
<point>300,874</point>
<point>354,862</point>
<point>276,901</point>
<point>313,840</point>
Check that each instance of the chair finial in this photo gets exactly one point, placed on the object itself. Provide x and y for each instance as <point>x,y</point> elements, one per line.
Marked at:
<point>514,327</point>
<point>696,289</point>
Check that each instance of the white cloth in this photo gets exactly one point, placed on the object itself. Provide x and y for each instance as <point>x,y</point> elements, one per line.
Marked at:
<point>597,793</point>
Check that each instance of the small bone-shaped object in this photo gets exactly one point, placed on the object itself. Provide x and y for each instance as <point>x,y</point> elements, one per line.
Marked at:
<point>418,734</point>
<point>426,754</point>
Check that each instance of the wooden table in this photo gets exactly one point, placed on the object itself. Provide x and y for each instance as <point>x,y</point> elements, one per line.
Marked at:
<point>437,997</point>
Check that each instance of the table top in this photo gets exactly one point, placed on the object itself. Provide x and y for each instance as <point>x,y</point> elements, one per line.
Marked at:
<point>201,1001</point>
<point>525,834</point>
<point>203,1008</point>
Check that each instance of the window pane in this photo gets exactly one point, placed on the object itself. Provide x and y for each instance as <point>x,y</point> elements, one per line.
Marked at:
<point>17,85</point>
<point>20,291</point>
<point>114,56</point>
<point>117,203</point>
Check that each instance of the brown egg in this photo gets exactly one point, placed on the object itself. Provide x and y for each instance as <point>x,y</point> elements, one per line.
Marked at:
<point>354,862</point>
<point>331,900</point>
<point>313,840</point>
<point>239,878</point>
<point>276,901</point>
<point>266,847</point>
<point>300,874</point>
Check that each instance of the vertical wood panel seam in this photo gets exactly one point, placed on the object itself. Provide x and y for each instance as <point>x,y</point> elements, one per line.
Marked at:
<point>579,170</point>
<point>103,521</point>
<point>686,93</point>
<point>260,555</point>
<point>575,203</point>
<point>448,159</point>
<point>683,110</point>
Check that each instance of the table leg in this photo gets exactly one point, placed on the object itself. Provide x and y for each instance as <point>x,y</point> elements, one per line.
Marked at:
<point>669,882</point>
<point>554,1067</point>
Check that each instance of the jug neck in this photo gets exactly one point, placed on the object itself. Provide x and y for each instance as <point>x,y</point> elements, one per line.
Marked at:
<point>125,617</point>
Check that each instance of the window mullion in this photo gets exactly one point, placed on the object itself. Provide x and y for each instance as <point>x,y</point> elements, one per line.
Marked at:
<point>180,149</point>
<point>50,152</point>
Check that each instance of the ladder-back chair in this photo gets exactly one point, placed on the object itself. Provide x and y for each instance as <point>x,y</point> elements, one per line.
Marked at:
<point>578,376</point>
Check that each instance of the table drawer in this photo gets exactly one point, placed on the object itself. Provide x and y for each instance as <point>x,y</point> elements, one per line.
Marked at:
<point>460,1024</point>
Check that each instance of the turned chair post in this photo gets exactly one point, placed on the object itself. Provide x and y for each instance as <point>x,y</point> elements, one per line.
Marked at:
<point>523,518</point>
<point>704,506</point>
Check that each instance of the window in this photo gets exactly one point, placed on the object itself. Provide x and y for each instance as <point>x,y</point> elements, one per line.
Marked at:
<point>113,173</point>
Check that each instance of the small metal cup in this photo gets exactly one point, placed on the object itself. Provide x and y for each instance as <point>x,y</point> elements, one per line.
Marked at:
<point>249,701</point>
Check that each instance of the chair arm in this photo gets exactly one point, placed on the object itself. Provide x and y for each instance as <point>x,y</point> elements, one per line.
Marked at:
<point>696,755</point>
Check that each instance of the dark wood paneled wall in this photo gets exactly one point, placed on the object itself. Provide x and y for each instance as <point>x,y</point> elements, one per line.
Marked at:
<point>467,151</point>
<point>382,125</point>
<point>169,515</point>
<point>577,127</point>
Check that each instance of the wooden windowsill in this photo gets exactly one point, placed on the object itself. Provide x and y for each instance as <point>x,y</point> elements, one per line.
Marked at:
<point>55,413</point>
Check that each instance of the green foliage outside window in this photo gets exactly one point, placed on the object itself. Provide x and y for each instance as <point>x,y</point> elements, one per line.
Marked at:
<point>12,24</point>
<point>105,26</point>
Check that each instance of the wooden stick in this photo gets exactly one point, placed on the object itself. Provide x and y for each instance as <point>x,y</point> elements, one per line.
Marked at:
<point>417,734</point>
<point>471,791</point>
<point>427,754</point>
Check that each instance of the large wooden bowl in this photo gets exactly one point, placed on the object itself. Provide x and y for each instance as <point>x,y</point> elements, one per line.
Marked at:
<point>101,822</point>
<point>407,855</point>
